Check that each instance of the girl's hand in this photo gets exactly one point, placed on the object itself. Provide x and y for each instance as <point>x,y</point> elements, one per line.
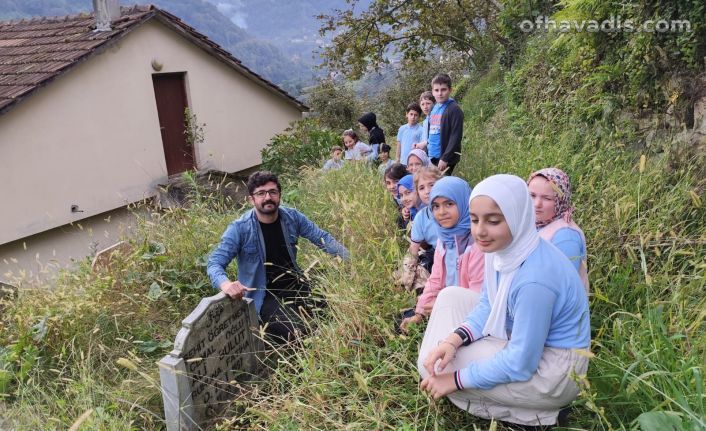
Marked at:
<point>428,307</point>
<point>405,214</point>
<point>417,318</point>
<point>445,352</point>
<point>439,386</point>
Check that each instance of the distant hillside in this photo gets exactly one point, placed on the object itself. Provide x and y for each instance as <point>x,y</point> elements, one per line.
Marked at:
<point>290,25</point>
<point>265,58</point>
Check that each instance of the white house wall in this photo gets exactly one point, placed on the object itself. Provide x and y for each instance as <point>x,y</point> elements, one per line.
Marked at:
<point>91,138</point>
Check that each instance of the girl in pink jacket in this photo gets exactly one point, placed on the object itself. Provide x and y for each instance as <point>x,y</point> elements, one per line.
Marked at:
<point>457,261</point>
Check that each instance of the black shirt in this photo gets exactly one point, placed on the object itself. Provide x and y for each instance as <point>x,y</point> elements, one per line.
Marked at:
<point>282,280</point>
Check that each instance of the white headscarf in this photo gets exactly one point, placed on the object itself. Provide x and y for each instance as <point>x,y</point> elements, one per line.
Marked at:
<point>511,195</point>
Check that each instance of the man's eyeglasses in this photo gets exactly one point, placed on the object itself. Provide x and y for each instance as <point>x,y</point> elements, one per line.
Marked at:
<point>262,193</point>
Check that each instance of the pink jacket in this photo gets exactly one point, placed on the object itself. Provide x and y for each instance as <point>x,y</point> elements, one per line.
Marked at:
<point>470,274</point>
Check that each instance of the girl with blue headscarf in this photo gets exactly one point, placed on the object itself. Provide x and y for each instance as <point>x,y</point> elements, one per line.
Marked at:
<point>409,200</point>
<point>457,261</point>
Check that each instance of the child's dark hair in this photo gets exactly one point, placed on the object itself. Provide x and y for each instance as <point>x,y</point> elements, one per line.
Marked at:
<point>414,106</point>
<point>260,178</point>
<point>385,148</point>
<point>442,79</point>
<point>351,133</point>
<point>336,148</point>
<point>427,95</point>
<point>396,171</point>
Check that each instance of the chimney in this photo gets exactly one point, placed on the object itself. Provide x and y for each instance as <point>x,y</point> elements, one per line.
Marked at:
<point>106,12</point>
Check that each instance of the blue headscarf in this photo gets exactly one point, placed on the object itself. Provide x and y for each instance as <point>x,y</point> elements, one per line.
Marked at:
<point>457,190</point>
<point>408,182</point>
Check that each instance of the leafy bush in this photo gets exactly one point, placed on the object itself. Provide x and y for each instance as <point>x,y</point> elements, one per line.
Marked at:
<point>334,104</point>
<point>305,144</point>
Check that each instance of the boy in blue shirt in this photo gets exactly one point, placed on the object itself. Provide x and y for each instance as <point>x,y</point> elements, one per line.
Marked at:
<point>445,126</point>
<point>335,162</point>
<point>409,134</point>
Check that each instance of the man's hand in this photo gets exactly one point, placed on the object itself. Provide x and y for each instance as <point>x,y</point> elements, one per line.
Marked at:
<point>234,289</point>
<point>417,318</point>
<point>438,386</point>
<point>442,165</point>
<point>420,145</point>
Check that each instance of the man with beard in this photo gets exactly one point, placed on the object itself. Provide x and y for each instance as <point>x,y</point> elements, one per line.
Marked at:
<point>264,243</point>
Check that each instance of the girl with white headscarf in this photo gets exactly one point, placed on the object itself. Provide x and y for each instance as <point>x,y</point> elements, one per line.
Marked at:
<point>511,355</point>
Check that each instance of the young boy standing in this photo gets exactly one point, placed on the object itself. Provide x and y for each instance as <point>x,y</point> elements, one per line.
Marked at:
<point>335,161</point>
<point>445,126</point>
<point>409,134</point>
<point>426,102</point>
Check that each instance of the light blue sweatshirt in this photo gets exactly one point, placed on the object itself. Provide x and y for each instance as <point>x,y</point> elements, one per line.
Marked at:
<point>547,306</point>
<point>424,227</point>
<point>570,243</point>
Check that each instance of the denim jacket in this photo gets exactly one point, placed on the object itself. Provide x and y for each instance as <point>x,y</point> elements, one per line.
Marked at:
<point>243,241</point>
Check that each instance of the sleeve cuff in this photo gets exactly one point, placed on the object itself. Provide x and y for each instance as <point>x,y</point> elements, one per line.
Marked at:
<point>465,330</point>
<point>218,280</point>
<point>457,380</point>
<point>462,378</point>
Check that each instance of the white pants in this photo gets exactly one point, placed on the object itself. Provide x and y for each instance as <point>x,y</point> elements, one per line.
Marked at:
<point>534,402</point>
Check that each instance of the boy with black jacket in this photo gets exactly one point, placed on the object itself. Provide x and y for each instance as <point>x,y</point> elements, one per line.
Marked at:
<point>445,126</point>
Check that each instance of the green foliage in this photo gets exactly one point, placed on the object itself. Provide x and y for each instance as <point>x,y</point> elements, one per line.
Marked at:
<point>194,132</point>
<point>304,144</point>
<point>603,74</point>
<point>513,13</point>
<point>335,105</point>
<point>409,30</point>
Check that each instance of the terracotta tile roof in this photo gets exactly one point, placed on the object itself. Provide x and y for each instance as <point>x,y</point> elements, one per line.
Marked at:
<point>33,52</point>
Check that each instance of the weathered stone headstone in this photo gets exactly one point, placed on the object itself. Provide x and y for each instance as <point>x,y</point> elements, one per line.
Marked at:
<point>216,348</point>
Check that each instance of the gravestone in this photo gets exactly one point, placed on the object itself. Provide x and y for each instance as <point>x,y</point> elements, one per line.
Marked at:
<point>216,348</point>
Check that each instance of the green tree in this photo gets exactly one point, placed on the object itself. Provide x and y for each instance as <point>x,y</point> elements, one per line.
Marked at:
<point>334,104</point>
<point>410,29</point>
